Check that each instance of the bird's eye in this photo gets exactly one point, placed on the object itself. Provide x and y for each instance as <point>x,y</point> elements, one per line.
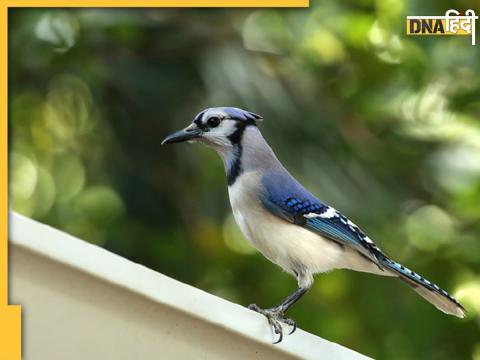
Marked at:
<point>213,122</point>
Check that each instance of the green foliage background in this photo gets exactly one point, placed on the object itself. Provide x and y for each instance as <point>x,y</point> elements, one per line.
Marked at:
<point>382,126</point>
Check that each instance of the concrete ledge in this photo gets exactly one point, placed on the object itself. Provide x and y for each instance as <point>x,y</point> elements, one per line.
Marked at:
<point>83,302</point>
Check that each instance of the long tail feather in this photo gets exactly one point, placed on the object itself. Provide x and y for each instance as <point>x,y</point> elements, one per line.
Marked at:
<point>442,300</point>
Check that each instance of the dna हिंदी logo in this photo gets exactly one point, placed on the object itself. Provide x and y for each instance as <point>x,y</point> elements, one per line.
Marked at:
<point>453,23</point>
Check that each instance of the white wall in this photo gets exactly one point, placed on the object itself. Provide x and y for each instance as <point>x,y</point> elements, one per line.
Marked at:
<point>82,302</point>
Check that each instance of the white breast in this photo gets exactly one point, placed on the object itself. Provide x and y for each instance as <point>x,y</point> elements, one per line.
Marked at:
<point>288,245</point>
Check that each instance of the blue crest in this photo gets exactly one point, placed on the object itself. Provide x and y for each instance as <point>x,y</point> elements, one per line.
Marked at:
<point>229,113</point>
<point>239,114</point>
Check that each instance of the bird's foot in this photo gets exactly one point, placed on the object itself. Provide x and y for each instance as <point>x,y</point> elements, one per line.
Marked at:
<point>275,317</point>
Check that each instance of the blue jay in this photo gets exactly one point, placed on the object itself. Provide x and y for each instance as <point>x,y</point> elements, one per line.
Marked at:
<point>285,222</point>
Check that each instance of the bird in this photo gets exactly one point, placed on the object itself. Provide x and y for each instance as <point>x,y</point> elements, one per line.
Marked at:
<point>285,222</point>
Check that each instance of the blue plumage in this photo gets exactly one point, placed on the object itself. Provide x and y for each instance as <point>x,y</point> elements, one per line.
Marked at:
<point>304,236</point>
<point>287,198</point>
<point>229,113</point>
<point>417,281</point>
<point>242,115</point>
<point>282,190</point>
<point>340,229</point>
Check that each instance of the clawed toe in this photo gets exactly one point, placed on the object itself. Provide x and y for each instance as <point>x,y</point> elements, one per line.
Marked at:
<point>292,324</point>
<point>275,318</point>
<point>277,328</point>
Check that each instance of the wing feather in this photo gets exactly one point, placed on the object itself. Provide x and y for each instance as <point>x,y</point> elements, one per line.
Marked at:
<point>299,207</point>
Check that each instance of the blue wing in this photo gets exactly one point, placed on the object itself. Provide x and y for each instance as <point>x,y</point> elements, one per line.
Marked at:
<point>286,198</point>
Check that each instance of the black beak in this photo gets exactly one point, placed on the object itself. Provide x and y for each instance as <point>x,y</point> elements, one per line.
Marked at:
<point>189,133</point>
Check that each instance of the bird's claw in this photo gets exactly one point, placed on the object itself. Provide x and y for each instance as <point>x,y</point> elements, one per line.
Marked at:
<point>292,324</point>
<point>275,317</point>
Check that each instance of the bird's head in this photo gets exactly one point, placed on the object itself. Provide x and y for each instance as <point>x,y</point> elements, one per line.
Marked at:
<point>220,127</point>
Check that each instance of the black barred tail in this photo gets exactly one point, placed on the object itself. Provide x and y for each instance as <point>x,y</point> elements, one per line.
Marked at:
<point>442,300</point>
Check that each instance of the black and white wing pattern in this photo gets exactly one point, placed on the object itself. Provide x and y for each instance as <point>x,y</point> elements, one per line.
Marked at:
<point>286,198</point>
<point>295,204</point>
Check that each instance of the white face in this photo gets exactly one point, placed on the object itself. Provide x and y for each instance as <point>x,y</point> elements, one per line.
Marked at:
<point>220,128</point>
<point>216,129</point>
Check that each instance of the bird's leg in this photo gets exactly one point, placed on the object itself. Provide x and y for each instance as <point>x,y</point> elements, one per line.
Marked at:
<point>276,315</point>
